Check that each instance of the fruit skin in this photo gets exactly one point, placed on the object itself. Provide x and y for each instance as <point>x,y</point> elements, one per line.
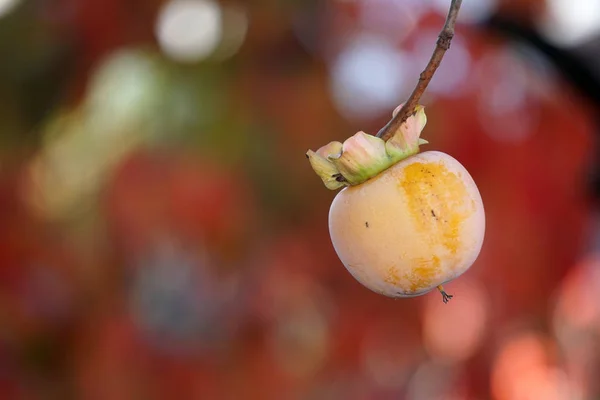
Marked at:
<point>412,227</point>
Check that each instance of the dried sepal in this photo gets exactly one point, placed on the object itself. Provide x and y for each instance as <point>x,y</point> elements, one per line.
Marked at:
<point>326,170</point>
<point>363,156</point>
<point>406,140</point>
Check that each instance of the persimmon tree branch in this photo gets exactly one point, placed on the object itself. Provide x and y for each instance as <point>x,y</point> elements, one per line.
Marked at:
<point>442,45</point>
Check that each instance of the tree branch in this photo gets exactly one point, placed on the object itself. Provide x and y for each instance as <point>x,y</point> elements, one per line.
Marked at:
<point>442,45</point>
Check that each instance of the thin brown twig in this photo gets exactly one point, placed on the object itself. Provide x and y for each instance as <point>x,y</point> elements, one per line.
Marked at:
<point>442,45</point>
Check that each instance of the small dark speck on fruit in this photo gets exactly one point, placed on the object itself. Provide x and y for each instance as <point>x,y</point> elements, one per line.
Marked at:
<point>367,224</point>
<point>433,214</point>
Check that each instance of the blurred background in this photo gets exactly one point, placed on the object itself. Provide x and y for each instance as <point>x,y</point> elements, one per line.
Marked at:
<point>162,235</point>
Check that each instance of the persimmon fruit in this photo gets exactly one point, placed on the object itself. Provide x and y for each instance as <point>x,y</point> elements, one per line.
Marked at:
<point>405,222</point>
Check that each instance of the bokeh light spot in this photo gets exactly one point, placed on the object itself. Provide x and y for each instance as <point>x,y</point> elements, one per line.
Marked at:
<point>235,27</point>
<point>368,77</point>
<point>523,369</point>
<point>508,109</point>
<point>124,91</point>
<point>451,78</point>
<point>471,11</point>
<point>7,6</point>
<point>571,22</point>
<point>389,17</point>
<point>454,332</point>
<point>189,30</point>
<point>577,305</point>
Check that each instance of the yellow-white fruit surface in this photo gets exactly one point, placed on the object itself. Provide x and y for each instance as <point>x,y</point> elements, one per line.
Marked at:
<point>415,226</point>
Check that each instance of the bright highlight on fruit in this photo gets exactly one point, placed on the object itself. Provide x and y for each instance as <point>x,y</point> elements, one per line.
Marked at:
<point>405,222</point>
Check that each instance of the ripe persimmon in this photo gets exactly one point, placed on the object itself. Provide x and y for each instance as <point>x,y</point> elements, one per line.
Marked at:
<point>405,222</point>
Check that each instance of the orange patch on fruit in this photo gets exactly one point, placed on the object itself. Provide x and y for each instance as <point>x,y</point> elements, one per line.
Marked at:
<point>439,202</point>
<point>392,276</point>
<point>423,274</point>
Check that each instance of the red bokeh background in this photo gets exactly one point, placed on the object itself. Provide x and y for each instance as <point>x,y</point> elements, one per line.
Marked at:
<point>174,244</point>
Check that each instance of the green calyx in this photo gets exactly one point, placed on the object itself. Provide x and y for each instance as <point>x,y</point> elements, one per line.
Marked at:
<point>363,156</point>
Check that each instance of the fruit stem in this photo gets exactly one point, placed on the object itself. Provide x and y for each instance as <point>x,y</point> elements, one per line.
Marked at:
<point>445,296</point>
<point>442,45</point>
